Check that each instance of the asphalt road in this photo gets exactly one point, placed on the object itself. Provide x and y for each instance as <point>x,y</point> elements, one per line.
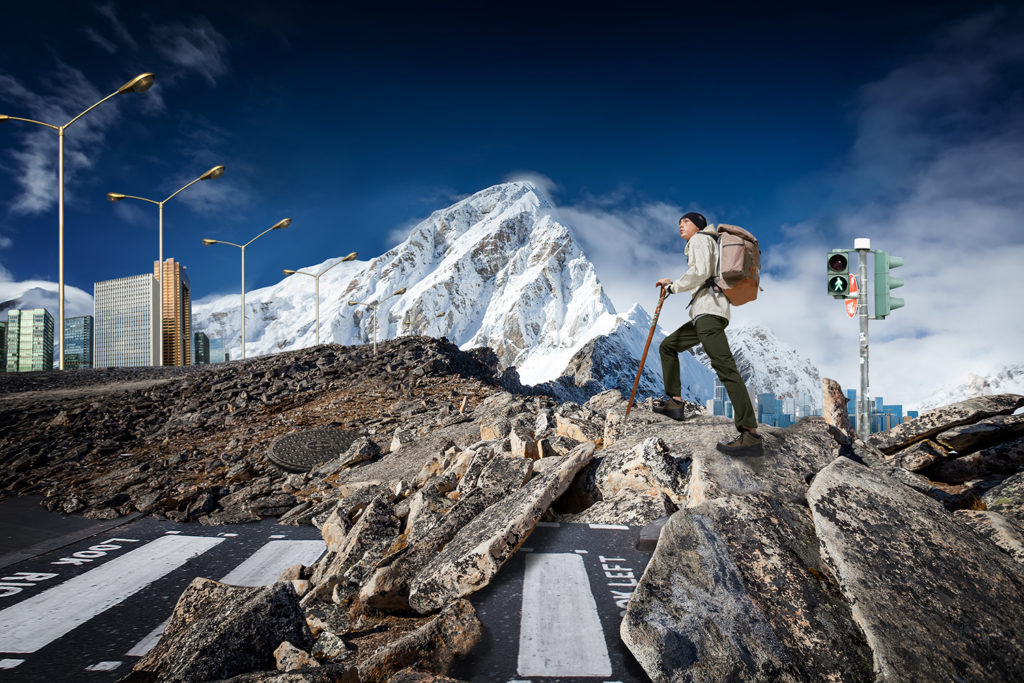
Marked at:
<point>82,601</point>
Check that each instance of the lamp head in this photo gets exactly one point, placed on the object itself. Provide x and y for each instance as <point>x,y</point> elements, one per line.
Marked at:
<point>115,196</point>
<point>4,117</point>
<point>351,257</point>
<point>401,291</point>
<point>288,272</point>
<point>283,223</point>
<point>353,303</point>
<point>207,242</point>
<point>215,172</point>
<point>140,83</point>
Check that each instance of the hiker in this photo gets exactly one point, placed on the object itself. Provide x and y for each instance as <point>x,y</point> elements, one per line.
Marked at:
<point>709,316</point>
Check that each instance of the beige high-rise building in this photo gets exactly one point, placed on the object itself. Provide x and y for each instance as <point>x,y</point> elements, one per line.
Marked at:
<point>177,312</point>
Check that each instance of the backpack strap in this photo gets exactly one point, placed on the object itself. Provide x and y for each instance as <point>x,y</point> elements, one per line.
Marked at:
<point>710,282</point>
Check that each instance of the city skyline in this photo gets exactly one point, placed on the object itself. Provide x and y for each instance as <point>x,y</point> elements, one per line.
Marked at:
<point>360,123</point>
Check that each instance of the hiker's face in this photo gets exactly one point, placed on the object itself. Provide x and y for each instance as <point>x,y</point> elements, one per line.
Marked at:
<point>687,228</point>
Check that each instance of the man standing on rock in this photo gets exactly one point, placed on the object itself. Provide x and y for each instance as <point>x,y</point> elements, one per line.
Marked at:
<point>709,316</point>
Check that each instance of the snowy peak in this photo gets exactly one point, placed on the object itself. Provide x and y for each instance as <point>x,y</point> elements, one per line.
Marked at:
<point>1007,380</point>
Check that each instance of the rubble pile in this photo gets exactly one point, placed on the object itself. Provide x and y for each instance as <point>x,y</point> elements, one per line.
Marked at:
<point>824,558</point>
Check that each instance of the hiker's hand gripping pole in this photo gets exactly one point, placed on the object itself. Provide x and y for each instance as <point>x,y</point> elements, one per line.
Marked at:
<point>643,358</point>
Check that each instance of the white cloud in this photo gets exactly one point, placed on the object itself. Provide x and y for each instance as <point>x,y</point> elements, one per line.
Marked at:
<point>43,294</point>
<point>546,185</point>
<point>110,13</point>
<point>195,47</point>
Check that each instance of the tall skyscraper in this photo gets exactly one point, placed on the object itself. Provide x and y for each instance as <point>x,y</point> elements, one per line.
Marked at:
<point>78,342</point>
<point>218,354</point>
<point>177,312</point>
<point>125,331</point>
<point>3,346</point>
<point>201,349</point>
<point>29,340</point>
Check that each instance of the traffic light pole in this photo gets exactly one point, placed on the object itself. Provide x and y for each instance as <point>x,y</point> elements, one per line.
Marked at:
<point>863,246</point>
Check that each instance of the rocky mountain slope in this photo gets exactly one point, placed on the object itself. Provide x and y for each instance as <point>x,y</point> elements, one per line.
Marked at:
<point>1007,380</point>
<point>820,559</point>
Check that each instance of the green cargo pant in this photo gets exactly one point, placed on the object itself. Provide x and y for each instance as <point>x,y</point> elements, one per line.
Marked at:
<point>709,332</point>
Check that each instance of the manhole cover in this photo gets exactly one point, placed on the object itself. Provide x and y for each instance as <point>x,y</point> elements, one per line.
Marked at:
<point>302,451</point>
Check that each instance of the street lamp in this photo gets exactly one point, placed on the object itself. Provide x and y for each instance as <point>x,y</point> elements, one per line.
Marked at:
<point>215,172</point>
<point>140,83</point>
<point>283,223</point>
<point>374,305</point>
<point>350,257</point>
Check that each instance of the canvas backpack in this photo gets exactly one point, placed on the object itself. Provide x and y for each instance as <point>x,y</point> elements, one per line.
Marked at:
<point>738,272</point>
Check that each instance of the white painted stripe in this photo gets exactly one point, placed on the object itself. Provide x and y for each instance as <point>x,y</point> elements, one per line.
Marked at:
<point>10,663</point>
<point>103,666</point>
<point>266,564</point>
<point>560,632</point>
<point>260,569</point>
<point>607,526</point>
<point>42,619</point>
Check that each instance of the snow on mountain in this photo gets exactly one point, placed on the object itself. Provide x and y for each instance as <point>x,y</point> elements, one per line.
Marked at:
<point>500,269</point>
<point>610,361</point>
<point>1007,380</point>
<point>769,366</point>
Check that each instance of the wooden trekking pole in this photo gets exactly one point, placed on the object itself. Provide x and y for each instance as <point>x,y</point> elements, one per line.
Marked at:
<point>643,358</point>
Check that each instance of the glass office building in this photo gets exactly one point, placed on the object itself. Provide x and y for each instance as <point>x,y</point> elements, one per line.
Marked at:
<point>200,348</point>
<point>29,340</point>
<point>125,329</point>
<point>78,342</point>
<point>3,346</point>
<point>218,354</point>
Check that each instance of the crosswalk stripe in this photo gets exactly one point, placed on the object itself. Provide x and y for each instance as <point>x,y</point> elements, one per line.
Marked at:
<point>560,631</point>
<point>38,621</point>
<point>259,569</point>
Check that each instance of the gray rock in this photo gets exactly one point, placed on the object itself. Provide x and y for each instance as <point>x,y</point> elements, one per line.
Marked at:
<point>936,421</point>
<point>426,507</point>
<point>930,596</point>
<point>401,438</point>
<point>505,472</point>
<point>1002,459</point>
<point>921,455</point>
<point>433,646</point>
<point>996,528</point>
<point>734,591</point>
<point>967,438</point>
<point>291,658</point>
<point>219,631</point>
<point>634,510</point>
<point>469,561</point>
<point>349,560</point>
<point>1008,499</point>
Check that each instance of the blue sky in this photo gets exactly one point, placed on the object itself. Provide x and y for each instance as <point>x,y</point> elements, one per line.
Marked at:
<point>807,126</point>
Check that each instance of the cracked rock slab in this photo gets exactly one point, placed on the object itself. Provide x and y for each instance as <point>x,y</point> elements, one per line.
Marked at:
<point>476,553</point>
<point>930,595</point>
<point>934,422</point>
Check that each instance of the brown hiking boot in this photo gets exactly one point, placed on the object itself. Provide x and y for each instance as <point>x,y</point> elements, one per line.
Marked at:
<point>744,444</point>
<point>671,408</point>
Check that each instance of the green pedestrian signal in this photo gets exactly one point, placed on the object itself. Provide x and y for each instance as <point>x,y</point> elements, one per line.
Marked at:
<point>885,283</point>
<point>837,274</point>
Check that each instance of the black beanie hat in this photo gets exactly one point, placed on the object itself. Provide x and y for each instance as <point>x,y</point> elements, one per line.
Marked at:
<point>698,219</point>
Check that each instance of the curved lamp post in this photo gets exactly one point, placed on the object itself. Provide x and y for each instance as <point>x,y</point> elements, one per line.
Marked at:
<point>140,83</point>
<point>283,223</point>
<point>215,172</point>
<point>350,257</point>
<point>374,305</point>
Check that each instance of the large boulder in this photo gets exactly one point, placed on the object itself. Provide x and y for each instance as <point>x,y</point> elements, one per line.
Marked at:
<point>930,595</point>
<point>476,553</point>
<point>735,589</point>
<point>934,422</point>
<point>219,631</point>
<point>1008,499</point>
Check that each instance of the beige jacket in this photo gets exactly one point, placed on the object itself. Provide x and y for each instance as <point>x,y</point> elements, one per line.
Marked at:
<point>702,259</point>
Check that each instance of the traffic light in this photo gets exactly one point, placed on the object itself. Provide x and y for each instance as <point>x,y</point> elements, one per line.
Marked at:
<point>838,274</point>
<point>884,283</point>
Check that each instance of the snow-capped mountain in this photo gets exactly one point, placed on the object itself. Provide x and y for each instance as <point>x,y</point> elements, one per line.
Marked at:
<point>500,269</point>
<point>610,361</point>
<point>769,366</point>
<point>1007,380</point>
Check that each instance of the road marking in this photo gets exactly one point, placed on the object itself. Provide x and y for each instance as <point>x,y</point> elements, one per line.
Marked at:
<point>38,621</point>
<point>260,569</point>
<point>10,663</point>
<point>103,666</point>
<point>560,632</point>
<point>608,526</point>
<point>171,533</point>
<point>266,564</point>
